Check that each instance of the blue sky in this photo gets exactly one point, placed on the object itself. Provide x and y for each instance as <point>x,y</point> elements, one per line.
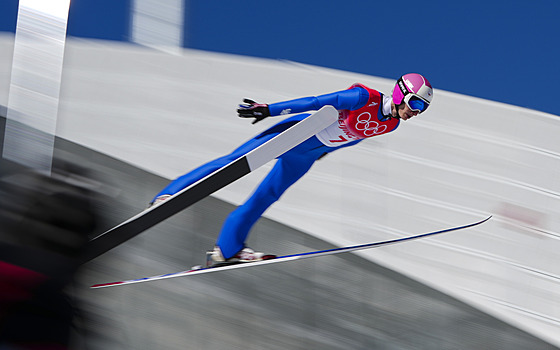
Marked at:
<point>504,51</point>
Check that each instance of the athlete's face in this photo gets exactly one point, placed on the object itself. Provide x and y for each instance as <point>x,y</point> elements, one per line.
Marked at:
<point>403,111</point>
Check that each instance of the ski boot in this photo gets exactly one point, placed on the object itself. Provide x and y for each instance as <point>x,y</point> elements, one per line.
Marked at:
<point>215,258</point>
<point>159,199</point>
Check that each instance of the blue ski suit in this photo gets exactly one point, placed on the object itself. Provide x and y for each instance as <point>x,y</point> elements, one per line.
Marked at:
<point>292,165</point>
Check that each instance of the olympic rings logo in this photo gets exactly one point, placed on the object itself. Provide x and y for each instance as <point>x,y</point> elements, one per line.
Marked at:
<point>367,126</point>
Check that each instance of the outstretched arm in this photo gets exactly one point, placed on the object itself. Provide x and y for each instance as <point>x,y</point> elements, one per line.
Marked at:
<point>346,99</point>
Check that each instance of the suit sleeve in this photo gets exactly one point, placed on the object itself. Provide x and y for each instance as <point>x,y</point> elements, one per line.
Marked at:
<point>346,99</point>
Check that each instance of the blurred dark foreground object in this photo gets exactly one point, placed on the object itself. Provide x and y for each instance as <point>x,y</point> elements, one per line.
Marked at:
<point>44,226</point>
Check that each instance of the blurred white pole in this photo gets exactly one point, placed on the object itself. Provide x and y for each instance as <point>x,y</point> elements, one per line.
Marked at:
<point>158,24</point>
<point>35,82</point>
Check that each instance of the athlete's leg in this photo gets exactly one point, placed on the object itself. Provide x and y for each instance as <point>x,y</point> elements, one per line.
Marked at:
<point>289,168</point>
<point>206,169</point>
<point>210,167</point>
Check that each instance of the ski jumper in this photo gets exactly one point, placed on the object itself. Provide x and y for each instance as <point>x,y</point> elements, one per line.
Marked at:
<point>360,116</point>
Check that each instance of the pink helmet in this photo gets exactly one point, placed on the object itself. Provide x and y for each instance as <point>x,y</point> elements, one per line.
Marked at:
<point>414,85</point>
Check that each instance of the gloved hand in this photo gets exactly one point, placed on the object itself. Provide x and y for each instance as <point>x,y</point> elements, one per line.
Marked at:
<point>251,109</point>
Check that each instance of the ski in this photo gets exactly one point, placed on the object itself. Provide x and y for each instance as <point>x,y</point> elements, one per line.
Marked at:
<point>285,258</point>
<point>212,183</point>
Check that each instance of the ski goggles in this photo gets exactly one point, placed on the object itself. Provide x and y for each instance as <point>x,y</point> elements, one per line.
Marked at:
<point>416,103</point>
